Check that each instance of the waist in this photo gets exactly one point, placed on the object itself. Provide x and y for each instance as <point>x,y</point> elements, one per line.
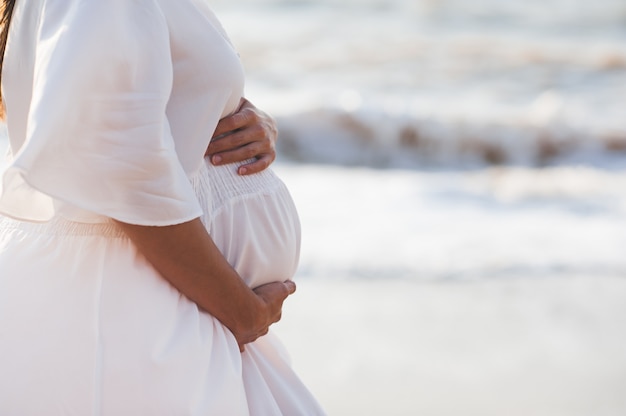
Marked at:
<point>61,226</point>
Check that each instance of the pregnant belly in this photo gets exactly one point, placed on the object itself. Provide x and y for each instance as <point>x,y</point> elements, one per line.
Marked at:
<point>259,234</point>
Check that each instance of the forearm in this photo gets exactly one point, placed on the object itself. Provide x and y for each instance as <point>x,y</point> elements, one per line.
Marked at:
<point>187,257</point>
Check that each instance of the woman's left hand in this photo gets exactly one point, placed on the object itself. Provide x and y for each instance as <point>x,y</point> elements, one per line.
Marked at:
<point>249,133</point>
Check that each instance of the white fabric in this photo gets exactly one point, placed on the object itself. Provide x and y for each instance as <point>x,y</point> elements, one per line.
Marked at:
<point>124,92</point>
<point>111,105</point>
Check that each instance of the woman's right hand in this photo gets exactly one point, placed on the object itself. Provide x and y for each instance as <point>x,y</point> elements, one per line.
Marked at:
<point>271,297</point>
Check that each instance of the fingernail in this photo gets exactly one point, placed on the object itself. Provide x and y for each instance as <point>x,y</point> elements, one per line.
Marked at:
<point>216,159</point>
<point>242,171</point>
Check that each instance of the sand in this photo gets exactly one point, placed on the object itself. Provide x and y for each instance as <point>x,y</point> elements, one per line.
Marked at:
<point>525,346</point>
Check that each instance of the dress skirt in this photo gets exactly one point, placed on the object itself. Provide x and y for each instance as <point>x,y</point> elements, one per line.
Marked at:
<point>88,327</point>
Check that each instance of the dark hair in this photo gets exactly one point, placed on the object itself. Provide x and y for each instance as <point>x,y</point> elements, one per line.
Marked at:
<point>6,12</point>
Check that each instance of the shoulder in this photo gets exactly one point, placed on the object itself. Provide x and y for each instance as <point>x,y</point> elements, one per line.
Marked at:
<point>105,8</point>
<point>114,18</point>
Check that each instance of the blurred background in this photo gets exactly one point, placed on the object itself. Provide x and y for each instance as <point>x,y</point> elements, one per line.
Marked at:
<point>460,170</point>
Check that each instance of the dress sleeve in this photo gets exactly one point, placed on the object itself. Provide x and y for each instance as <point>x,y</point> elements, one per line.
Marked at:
<point>97,137</point>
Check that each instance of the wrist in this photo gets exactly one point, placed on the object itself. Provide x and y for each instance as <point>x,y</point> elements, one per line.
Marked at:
<point>251,316</point>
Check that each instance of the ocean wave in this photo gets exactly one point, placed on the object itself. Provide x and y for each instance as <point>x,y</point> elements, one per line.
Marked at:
<point>439,83</point>
<point>381,140</point>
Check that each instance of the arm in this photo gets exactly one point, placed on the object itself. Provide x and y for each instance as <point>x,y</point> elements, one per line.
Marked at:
<point>249,133</point>
<point>186,256</point>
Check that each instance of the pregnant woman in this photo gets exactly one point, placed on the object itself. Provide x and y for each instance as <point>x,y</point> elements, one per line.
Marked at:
<point>136,278</point>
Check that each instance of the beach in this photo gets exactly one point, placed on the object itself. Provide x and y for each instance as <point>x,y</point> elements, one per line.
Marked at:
<point>552,346</point>
<point>506,303</point>
<point>460,172</point>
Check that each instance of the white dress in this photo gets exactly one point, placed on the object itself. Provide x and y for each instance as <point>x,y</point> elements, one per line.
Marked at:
<point>110,107</point>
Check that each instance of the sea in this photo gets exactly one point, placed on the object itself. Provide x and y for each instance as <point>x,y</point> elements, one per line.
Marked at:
<point>460,171</point>
<point>446,139</point>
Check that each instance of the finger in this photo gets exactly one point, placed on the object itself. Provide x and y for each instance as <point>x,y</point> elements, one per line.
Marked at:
<point>241,119</point>
<point>228,142</point>
<point>217,146</point>
<point>257,166</point>
<point>275,293</point>
<point>226,125</point>
<point>245,103</point>
<point>249,151</point>
<point>291,286</point>
<point>229,122</point>
<point>249,135</point>
<point>277,317</point>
